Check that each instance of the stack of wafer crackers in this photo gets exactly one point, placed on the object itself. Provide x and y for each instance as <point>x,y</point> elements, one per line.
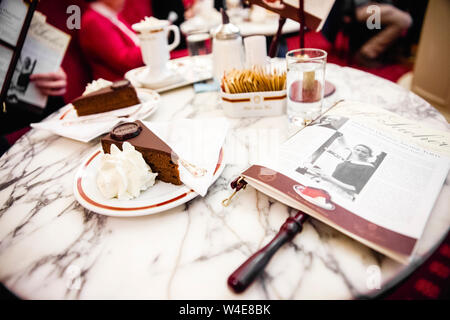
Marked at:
<point>256,79</point>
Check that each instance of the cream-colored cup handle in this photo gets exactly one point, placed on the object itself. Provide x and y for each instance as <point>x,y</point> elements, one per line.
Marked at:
<point>176,33</point>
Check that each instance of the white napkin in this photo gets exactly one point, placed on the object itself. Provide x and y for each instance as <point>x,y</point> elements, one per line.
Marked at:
<point>81,131</point>
<point>197,141</point>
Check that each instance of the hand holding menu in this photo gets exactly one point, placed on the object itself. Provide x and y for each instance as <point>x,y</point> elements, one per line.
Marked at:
<point>14,19</point>
<point>42,52</point>
<point>365,171</point>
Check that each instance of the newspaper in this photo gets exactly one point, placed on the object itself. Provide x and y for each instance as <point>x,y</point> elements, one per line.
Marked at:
<point>12,17</point>
<point>6,55</point>
<point>365,169</point>
<point>42,52</point>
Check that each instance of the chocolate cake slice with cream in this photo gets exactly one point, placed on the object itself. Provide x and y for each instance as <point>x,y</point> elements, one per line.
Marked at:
<point>117,95</point>
<point>158,155</point>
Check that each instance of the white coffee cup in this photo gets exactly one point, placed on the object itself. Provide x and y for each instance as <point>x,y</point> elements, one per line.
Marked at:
<point>154,45</point>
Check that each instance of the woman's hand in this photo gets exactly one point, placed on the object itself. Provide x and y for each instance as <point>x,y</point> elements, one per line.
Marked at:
<point>52,83</point>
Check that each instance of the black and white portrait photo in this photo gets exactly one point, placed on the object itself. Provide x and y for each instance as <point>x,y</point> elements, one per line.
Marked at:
<point>25,67</point>
<point>342,165</point>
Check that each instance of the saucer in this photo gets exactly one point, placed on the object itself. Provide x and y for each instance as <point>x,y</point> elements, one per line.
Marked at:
<point>147,80</point>
<point>190,70</point>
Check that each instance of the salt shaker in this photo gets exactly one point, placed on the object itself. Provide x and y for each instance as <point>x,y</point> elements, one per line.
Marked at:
<point>227,51</point>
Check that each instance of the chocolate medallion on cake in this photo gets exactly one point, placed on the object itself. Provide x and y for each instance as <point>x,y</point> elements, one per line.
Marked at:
<point>126,131</point>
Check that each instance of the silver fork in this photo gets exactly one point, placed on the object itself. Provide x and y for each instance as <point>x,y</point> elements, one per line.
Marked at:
<point>193,169</point>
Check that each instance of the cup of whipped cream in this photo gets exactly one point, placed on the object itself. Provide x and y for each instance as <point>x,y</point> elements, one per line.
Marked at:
<point>155,48</point>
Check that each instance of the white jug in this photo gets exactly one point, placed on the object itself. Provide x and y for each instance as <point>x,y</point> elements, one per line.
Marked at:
<point>154,45</point>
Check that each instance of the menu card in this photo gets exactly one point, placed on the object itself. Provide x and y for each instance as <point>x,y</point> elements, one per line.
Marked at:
<point>12,17</point>
<point>367,172</point>
<point>15,19</point>
<point>42,52</point>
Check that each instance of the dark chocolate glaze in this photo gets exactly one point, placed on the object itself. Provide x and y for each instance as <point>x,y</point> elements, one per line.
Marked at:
<point>145,140</point>
<point>114,87</point>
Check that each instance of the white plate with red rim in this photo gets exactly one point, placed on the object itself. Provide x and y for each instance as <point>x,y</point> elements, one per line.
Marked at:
<point>160,197</point>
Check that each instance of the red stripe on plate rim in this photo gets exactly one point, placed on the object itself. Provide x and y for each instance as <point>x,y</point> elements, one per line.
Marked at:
<point>65,114</point>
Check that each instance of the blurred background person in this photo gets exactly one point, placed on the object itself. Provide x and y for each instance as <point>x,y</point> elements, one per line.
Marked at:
<point>394,23</point>
<point>369,46</point>
<point>109,44</point>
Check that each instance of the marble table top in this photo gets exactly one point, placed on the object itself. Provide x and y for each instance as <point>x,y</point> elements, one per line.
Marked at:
<point>53,248</point>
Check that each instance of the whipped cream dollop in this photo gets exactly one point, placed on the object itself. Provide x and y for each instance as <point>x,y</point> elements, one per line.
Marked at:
<point>96,85</point>
<point>124,174</point>
<point>149,24</point>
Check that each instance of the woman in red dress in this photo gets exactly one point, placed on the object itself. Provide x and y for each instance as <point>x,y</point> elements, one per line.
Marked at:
<point>108,42</point>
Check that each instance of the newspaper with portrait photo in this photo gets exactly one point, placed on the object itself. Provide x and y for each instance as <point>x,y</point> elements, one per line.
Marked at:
<point>42,52</point>
<point>363,170</point>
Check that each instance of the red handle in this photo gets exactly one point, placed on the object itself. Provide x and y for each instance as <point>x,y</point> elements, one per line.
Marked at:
<point>240,279</point>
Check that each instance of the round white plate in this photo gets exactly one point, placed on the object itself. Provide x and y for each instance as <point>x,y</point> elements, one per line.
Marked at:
<point>160,197</point>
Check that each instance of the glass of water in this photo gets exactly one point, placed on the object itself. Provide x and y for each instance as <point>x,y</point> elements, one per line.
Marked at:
<point>198,43</point>
<point>305,82</point>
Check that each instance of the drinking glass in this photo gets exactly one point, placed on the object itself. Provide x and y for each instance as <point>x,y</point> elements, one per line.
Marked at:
<point>198,43</point>
<point>305,82</point>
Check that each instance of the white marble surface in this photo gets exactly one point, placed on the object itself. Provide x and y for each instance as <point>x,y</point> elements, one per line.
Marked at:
<point>52,248</point>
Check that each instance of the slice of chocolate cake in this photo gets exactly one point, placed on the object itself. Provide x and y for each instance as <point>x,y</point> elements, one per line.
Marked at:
<point>120,94</point>
<point>158,155</point>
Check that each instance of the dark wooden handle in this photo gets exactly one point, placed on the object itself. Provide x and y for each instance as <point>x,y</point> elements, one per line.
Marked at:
<point>240,279</point>
<point>273,50</point>
<point>301,18</point>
